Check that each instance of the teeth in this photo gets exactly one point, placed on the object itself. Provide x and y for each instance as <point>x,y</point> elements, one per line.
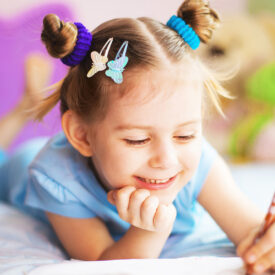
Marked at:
<point>155,181</point>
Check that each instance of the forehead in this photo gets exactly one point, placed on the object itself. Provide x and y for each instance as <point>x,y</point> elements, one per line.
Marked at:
<point>171,95</point>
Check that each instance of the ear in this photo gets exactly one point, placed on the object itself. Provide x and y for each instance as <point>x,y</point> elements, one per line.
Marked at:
<point>76,132</point>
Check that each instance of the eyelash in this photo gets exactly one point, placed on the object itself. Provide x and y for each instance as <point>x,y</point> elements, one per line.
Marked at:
<point>143,141</point>
<point>136,142</point>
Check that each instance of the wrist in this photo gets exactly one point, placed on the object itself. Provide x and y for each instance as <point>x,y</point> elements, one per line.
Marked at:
<point>138,230</point>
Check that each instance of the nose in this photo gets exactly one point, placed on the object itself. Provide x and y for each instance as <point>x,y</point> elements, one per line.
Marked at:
<point>164,156</point>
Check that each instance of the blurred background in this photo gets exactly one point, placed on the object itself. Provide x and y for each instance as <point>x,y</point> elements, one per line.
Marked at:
<point>245,39</point>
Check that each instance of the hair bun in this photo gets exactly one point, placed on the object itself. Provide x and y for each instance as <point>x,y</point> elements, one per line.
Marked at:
<point>198,15</point>
<point>59,37</point>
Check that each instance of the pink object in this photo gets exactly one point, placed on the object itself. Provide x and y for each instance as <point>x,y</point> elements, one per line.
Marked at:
<point>263,148</point>
<point>20,36</point>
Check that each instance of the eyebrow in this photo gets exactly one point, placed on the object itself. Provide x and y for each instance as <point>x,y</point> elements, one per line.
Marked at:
<point>131,127</point>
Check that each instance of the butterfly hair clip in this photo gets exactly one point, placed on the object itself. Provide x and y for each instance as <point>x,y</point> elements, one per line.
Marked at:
<point>99,60</point>
<point>116,66</point>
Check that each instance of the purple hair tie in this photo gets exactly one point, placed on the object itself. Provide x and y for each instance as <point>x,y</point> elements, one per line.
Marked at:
<point>82,46</point>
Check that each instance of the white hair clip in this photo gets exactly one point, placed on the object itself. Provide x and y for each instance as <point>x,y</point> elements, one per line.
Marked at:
<point>99,60</point>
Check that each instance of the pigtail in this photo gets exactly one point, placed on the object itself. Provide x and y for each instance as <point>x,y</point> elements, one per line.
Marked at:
<point>47,104</point>
<point>212,84</point>
<point>150,42</point>
<point>198,15</point>
<point>59,39</point>
<point>204,20</point>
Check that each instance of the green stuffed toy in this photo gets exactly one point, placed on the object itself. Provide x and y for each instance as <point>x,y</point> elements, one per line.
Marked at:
<point>255,6</point>
<point>260,94</point>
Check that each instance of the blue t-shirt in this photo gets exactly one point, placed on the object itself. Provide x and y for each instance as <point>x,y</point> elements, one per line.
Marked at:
<point>3,156</point>
<point>62,182</point>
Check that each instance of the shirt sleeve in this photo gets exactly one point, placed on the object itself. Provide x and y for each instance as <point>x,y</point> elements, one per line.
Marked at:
<point>208,156</point>
<point>3,156</point>
<point>46,194</point>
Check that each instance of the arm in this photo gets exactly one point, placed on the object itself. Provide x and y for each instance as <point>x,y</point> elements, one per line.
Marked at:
<point>83,239</point>
<point>137,243</point>
<point>229,207</point>
<point>89,239</point>
<point>239,218</point>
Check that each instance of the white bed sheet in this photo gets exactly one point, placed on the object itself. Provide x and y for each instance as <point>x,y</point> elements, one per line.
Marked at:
<point>180,266</point>
<point>26,243</point>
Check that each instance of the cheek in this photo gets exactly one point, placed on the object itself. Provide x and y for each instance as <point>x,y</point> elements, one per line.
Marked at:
<point>190,156</point>
<point>117,162</point>
<point>123,159</point>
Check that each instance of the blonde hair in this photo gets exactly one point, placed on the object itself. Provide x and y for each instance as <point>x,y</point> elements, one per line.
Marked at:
<point>150,43</point>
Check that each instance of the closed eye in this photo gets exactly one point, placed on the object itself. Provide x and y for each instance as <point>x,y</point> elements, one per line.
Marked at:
<point>136,142</point>
<point>144,141</point>
<point>185,138</point>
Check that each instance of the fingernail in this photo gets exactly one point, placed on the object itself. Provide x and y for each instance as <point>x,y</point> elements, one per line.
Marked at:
<point>251,258</point>
<point>259,268</point>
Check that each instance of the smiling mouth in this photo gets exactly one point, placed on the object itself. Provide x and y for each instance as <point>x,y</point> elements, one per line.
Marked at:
<point>155,181</point>
<point>155,184</point>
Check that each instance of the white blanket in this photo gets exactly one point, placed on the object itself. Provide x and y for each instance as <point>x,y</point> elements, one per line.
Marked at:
<point>27,244</point>
<point>180,266</point>
<point>189,266</point>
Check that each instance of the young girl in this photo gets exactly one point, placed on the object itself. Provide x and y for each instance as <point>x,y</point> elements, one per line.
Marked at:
<point>131,163</point>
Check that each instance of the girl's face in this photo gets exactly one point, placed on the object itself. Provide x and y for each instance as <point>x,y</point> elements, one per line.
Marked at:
<point>154,142</point>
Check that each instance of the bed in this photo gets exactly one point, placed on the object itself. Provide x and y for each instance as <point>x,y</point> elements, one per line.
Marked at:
<point>28,246</point>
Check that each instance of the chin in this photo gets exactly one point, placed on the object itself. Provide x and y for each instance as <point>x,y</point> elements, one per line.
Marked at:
<point>168,196</point>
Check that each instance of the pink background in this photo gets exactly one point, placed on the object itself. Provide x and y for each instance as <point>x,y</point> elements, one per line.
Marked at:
<point>93,12</point>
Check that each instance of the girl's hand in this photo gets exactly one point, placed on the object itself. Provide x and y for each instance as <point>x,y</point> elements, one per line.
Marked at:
<point>261,256</point>
<point>142,210</point>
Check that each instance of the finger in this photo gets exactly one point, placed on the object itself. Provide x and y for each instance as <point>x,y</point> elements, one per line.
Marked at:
<point>121,197</point>
<point>262,246</point>
<point>172,212</point>
<point>266,262</point>
<point>165,216</point>
<point>246,243</point>
<point>110,197</point>
<point>161,217</point>
<point>134,208</point>
<point>148,210</point>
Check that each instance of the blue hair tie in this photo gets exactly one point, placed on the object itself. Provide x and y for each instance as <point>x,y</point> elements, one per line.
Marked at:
<point>186,32</point>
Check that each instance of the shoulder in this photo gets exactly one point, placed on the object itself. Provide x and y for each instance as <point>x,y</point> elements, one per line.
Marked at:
<point>208,157</point>
<point>55,148</point>
<point>56,158</point>
<point>188,195</point>
<point>225,202</point>
<point>60,165</point>
<point>219,182</point>
<point>208,154</point>
<point>56,179</point>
